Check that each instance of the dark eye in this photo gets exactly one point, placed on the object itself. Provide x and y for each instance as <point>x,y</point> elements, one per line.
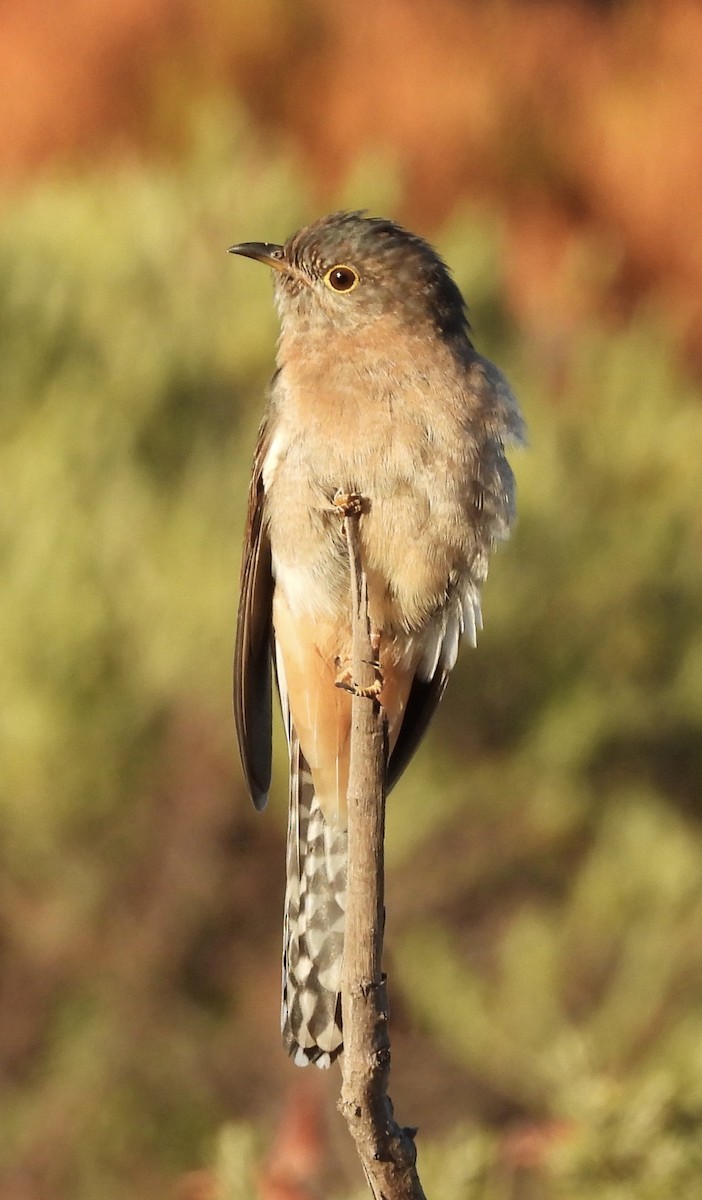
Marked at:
<point>341,278</point>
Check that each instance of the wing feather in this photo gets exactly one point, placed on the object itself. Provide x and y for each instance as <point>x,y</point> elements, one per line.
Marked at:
<point>422,703</point>
<point>252,655</point>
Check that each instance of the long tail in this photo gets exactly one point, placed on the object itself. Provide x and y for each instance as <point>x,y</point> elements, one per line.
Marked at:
<point>313,929</point>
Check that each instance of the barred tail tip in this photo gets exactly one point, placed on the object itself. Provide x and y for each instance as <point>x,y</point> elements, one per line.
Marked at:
<point>302,1058</point>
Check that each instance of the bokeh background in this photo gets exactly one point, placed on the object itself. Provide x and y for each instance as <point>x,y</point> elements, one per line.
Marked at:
<point>544,938</point>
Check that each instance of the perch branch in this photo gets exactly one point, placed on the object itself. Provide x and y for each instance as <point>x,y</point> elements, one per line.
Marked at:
<point>387,1152</point>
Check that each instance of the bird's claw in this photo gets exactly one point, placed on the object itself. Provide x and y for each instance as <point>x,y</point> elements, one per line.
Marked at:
<point>350,504</point>
<point>346,682</point>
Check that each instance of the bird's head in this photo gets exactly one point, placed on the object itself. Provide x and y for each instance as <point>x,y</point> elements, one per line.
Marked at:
<point>347,270</point>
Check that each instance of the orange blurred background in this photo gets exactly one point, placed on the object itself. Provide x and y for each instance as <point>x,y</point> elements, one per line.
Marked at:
<point>581,121</point>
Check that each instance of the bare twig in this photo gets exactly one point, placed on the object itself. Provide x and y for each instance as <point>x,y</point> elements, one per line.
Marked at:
<point>387,1152</point>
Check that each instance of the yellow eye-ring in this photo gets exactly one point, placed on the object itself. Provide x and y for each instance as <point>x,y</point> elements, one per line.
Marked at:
<point>341,278</point>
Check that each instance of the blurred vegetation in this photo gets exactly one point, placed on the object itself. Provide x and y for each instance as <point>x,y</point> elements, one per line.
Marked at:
<point>545,852</point>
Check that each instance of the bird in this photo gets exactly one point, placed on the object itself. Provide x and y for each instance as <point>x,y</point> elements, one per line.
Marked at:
<point>378,393</point>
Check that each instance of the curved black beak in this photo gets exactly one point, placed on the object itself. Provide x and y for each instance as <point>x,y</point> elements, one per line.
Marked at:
<point>264,252</point>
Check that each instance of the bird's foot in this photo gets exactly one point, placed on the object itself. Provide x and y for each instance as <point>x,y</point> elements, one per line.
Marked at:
<point>346,682</point>
<point>350,504</point>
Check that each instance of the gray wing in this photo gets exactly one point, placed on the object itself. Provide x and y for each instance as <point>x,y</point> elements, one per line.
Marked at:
<point>252,655</point>
<point>422,703</point>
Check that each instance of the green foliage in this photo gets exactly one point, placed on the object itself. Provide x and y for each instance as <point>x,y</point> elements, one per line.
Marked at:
<point>545,898</point>
<point>234,1162</point>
